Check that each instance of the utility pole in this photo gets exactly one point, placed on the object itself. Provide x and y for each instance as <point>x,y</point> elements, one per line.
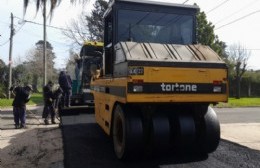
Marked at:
<point>44,45</point>
<point>10,55</point>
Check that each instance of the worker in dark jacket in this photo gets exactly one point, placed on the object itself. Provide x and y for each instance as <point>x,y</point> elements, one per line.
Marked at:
<point>65,84</point>
<point>48,96</point>
<point>22,96</point>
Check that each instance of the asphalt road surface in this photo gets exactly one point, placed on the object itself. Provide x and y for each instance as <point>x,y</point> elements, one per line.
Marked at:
<point>86,145</point>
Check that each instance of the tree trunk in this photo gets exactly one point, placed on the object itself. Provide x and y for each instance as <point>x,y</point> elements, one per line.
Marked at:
<point>249,89</point>
<point>238,79</point>
<point>35,83</point>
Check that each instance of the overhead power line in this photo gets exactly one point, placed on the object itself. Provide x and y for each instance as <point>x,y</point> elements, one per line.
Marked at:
<point>217,6</point>
<point>54,27</point>
<point>236,20</point>
<point>15,32</point>
<point>4,22</point>
<point>250,49</point>
<point>28,21</point>
<point>19,29</point>
<point>239,10</point>
<point>5,42</point>
<point>185,1</point>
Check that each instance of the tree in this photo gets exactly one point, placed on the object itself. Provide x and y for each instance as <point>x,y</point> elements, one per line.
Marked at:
<point>50,58</point>
<point>22,74</point>
<point>238,58</point>
<point>2,71</point>
<point>93,25</point>
<point>3,79</point>
<point>70,67</point>
<point>77,31</point>
<point>34,63</point>
<point>53,4</point>
<point>206,35</point>
<point>95,20</point>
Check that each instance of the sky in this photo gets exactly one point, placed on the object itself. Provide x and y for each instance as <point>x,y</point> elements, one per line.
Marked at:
<point>236,21</point>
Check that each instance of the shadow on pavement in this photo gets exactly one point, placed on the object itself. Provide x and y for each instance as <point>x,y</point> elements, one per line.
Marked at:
<point>85,145</point>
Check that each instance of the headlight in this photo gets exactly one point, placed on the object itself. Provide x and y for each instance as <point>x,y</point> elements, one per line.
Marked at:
<point>138,88</point>
<point>217,89</point>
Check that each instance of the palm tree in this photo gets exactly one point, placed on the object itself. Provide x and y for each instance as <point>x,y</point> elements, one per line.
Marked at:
<point>53,5</point>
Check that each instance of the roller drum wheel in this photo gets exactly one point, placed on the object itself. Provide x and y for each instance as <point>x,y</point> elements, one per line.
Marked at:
<point>187,130</point>
<point>127,133</point>
<point>160,132</point>
<point>210,132</point>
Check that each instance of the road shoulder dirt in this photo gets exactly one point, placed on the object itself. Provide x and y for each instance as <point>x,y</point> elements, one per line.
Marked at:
<point>244,134</point>
<point>37,146</point>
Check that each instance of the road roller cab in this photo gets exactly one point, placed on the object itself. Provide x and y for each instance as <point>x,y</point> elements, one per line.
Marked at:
<point>156,83</point>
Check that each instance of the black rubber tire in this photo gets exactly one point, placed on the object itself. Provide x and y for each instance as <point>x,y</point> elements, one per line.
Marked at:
<point>183,131</point>
<point>160,132</point>
<point>187,130</point>
<point>210,132</point>
<point>127,133</point>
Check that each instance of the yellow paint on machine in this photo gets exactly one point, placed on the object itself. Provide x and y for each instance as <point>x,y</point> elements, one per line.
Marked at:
<point>105,101</point>
<point>184,75</point>
<point>176,98</point>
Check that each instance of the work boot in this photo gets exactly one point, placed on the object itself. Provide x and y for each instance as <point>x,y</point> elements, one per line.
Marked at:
<point>53,121</point>
<point>23,126</point>
<point>46,122</point>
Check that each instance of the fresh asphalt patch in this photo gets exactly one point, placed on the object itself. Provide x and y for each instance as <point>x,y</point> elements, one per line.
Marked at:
<point>86,145</point>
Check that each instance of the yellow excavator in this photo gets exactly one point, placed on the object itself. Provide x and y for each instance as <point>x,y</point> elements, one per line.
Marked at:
<point>156,84</point>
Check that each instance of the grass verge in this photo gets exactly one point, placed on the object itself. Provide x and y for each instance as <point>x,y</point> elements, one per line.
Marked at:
<point>242,102</point>
<point>36,99</point>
